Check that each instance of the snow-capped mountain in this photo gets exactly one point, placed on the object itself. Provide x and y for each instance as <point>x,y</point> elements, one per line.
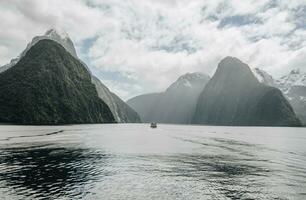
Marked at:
<point>189,80</point>
<point>295,78</point>
<point>61,37</point>
<point>293,86</point>
<point>54,34</point>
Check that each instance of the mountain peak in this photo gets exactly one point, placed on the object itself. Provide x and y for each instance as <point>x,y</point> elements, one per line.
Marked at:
<point>231,69</point>
<point>232,64</point>
<point>176,104</point>
<point>295,71</point>
<point>295,78</point>
<point>230,59</point>
<point>60,36</point>
<point>189,80</point>
<point>234,96</point>
<point>192,76</point>
<point>57,32</point>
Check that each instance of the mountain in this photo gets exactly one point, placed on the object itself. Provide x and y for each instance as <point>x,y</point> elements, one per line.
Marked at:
<point>144,105</point>
<point>57,35</point>
<point>295,78</point>
<point>293,86</point>
<point>234,96</point>
<point>50,86</point>
<point>175,105</point>
<point>121,111</point>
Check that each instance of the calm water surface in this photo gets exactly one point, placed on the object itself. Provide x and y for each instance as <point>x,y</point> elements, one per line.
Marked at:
<point>132,161</point>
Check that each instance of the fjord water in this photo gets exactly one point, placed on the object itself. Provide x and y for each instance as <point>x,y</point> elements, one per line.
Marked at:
<point>133,161</point>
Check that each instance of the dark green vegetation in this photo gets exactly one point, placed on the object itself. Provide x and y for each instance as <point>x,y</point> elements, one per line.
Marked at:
<point>235,97</point>
<point>49,86</point>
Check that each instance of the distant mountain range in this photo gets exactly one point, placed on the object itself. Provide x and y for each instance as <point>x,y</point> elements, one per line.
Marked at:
<point>12,108</point>
<point>235,95</point>
<point>48,84</point>
<point>175,105</point>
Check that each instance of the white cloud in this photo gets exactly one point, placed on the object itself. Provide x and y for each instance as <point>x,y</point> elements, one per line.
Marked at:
<point>150,43</point>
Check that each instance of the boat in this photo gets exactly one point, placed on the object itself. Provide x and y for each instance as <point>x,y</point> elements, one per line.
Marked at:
<point>153,125</point>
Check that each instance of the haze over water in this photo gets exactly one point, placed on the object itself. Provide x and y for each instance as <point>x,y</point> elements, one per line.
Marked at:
<point>133,161</point>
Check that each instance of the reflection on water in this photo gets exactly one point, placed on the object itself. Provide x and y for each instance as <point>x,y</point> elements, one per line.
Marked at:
<point>137,163</point>
<point>51,172</point>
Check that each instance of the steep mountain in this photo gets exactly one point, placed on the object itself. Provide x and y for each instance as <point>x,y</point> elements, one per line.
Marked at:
<point>57,35</point>
<point>293,86</point>
<point>50,86</point>
<point>121,111</point>
<point>234,96</point>
<point>175,105</point>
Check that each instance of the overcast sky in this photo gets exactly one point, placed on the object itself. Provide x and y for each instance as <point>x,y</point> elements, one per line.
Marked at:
<point>139,46</point>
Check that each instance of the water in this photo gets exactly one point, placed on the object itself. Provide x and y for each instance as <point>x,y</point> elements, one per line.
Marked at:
<point>133,161</point>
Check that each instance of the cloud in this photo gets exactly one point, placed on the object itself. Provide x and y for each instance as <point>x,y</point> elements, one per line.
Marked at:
<point>142,46</point>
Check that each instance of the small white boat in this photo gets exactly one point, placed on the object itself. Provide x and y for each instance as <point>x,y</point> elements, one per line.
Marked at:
<point>153,125</point>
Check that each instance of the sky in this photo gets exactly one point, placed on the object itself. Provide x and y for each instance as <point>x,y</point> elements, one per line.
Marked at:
<point>141,46</point>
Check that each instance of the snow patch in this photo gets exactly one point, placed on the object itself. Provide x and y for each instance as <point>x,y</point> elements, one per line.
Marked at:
<point>263,77</point>
<point>295,78</point>
<point>187,84</point>
<point>57,32</point>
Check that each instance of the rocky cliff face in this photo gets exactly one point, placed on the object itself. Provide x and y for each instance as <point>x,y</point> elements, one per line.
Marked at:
<point>234,96</point>
<point>50,86</point>
<point>122,112</point>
